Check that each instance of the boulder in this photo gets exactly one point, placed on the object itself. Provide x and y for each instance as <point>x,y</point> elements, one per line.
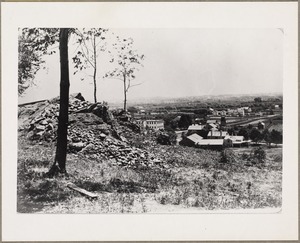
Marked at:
<point>101,111</point>
<point>77,146</point>
<point>102,136</point>
<point>40,128</point>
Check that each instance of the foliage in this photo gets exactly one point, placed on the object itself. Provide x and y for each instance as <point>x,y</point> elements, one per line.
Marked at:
<point>227,156</point>
<point>132,109</point>
<point>185,121</point>
<point>128,62</point>
<point>170,120</point>
<point>255,135</point>
<point>244,132</point>
<point>276,136</point>
<point>260,126</point>
<point>230,131</point>
<point>203,112</point>
<point>167,138</point>
<point>250,126</point>
<point>257,99</point>
<point>256,157</point>
<point>267,136</point>
<point>33,43</point>
<point>259,155</point>
<point>84,58</point>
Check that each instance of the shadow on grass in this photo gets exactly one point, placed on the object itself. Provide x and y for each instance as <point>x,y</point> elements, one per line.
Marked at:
<point>115,185</point>
<point>35,191</point>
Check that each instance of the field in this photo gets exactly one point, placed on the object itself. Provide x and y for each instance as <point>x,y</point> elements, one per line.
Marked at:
<point>187,180</point>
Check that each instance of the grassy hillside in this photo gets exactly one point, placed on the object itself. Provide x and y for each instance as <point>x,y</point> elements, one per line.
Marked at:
<point>185,179</point>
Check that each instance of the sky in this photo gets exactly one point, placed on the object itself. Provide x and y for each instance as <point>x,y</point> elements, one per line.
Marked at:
<point>179,63</point>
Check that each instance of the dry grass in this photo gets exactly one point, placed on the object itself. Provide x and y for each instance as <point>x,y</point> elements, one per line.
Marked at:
<point>189,178</point>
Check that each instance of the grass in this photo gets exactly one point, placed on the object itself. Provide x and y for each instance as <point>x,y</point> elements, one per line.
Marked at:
<point>188,178</point>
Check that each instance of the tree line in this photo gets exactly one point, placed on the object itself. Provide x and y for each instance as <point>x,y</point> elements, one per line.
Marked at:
<point>36,42</point>
<point>257,136</point>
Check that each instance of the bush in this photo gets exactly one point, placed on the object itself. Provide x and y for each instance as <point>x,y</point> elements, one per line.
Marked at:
<point>259,154</point>
<point>227,156</point>
<point>167,138</point>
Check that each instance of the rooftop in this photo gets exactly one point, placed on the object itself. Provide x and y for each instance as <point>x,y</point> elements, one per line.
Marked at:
<point>195,127</point>
<point>210,142</point>
<point>195,138</point>
<point>216,133</point>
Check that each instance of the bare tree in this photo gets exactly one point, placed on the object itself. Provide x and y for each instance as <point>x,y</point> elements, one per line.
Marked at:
<point>127,62</point>
<point>90,42</point>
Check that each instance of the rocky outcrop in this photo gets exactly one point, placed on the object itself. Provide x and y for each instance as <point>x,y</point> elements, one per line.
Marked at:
<point>92,132</point>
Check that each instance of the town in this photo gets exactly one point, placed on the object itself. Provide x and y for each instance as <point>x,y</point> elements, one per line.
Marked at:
<point>214,128</point>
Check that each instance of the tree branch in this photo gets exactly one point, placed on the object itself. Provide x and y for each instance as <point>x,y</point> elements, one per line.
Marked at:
<point>135,85</point>
<point>87,58</point>
<point>115,78</point>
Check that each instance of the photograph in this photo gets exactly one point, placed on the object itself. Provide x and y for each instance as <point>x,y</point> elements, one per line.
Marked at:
<point>149,120</point>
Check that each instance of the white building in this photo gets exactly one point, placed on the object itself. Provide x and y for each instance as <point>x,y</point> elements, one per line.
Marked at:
<point>215,134</point>
<point>241,111</point>
<point>195,127</point>
<point>152,124</point>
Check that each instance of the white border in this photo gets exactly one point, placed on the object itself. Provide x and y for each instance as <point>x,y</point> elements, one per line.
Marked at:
<point>21,227</point>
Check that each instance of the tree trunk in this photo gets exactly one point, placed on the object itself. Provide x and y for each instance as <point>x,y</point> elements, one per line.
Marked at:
<point>62,131</point>
<point>125,93</point>
<point>95,71</point>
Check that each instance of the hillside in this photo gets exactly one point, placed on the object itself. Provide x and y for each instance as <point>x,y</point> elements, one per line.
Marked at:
<point>129,172</point>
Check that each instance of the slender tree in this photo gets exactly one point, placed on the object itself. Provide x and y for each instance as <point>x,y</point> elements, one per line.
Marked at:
<point>127,62</point>
<point>90,42</point>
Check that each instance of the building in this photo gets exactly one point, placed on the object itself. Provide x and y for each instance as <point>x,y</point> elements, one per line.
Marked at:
<point>191,140</point>
<point>238,141</point>
<point>152,124</point>
<point>212,126</point>
<point>219,113</point>
<point>215,134</point>
<point>199,129</point>
<point>213,143</point>
<point>241,111</point>
<point>195,127</point>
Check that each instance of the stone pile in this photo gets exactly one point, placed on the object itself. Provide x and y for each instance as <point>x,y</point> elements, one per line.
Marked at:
<point>94,143</point>
<point>42,122</point>
<point>77,105</point>
<point>43,126</point>
<point>92,132</point>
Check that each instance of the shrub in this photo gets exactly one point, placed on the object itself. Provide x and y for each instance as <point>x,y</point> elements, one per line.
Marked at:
<point>258,155</point>
<point>227,156</point>
<point>277,158</point>
<point>168,138</point>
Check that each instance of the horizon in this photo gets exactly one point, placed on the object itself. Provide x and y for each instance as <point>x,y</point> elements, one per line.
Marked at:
<point>160,98</point>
